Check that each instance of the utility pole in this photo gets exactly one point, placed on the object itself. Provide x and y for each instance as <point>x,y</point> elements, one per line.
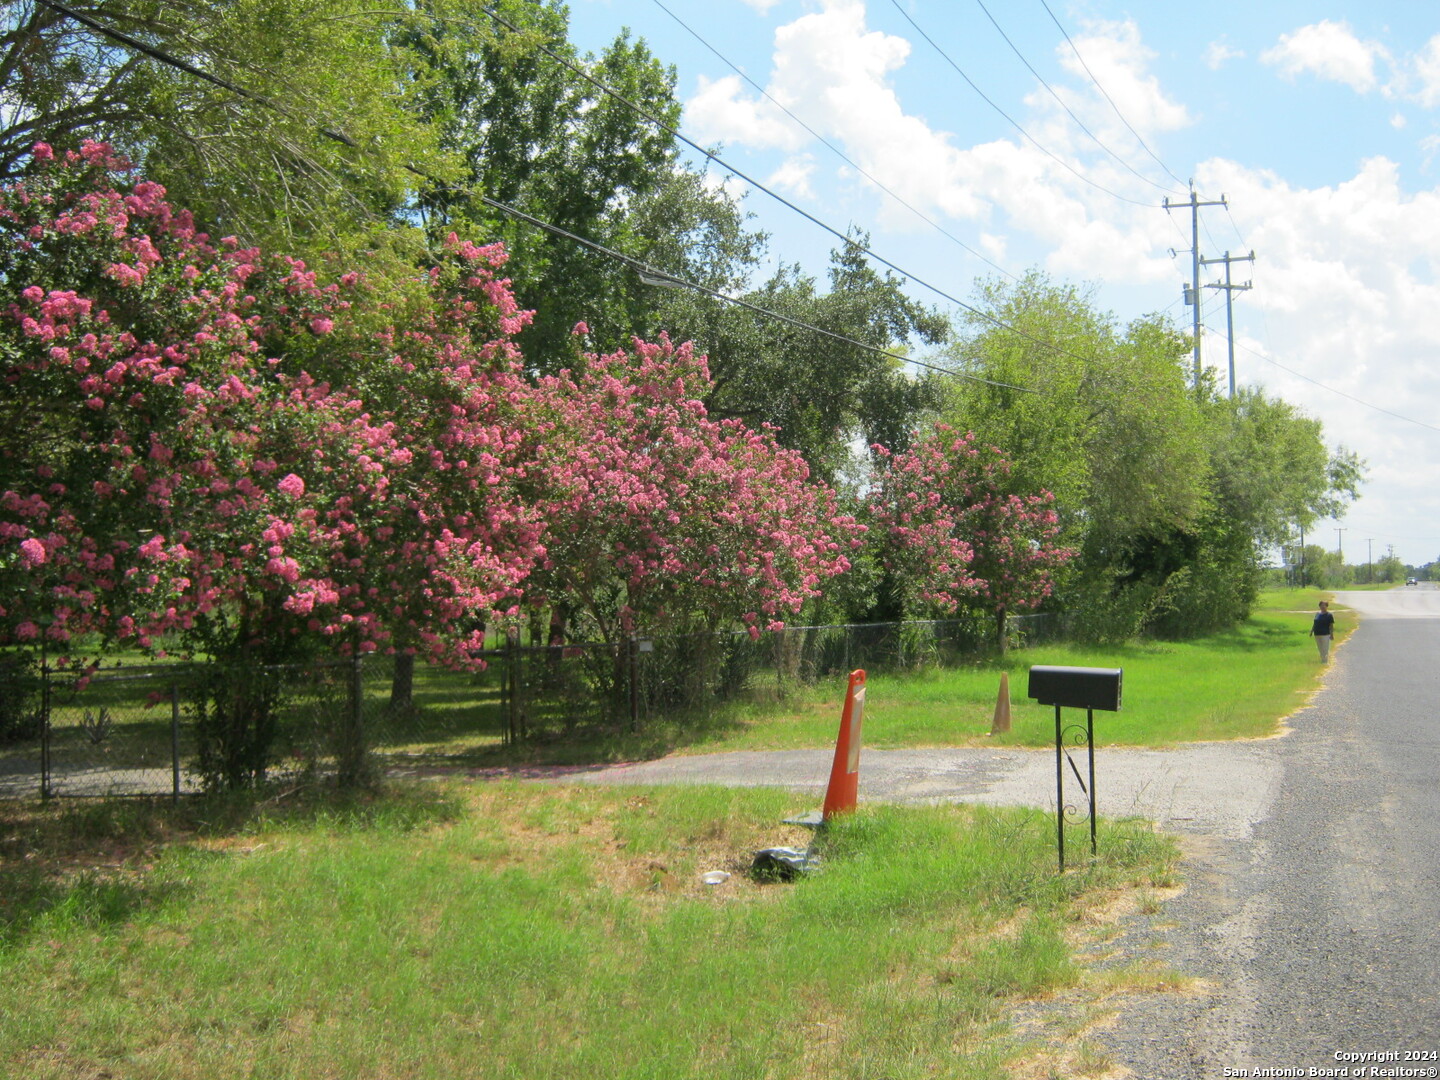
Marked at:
<point>1340,546</point>
<point>1192,291</point>
<point>1369,561</point>
<point>1230,290</point>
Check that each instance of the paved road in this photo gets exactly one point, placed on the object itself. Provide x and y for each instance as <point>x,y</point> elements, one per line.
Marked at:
<point>1312,912</point>
<point>1320,934</point>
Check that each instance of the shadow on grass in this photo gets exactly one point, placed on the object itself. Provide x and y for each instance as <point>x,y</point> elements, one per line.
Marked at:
<point>98,863</point>
<point>37,898</point>
<point>597,744</point>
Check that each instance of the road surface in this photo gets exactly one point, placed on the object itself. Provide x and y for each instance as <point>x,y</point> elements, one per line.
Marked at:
<point>1319,935</point>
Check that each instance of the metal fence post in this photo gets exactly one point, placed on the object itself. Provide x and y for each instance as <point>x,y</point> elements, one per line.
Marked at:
<point>174,742</point>
<point>633,644</point>
<point>351,765</point>
<point>44,729</point>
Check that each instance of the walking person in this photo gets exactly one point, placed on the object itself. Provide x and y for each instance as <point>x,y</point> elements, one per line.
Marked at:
<point>1323,630</point>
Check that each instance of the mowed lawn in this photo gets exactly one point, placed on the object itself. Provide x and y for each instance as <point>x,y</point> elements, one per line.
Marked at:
<point>531,932</point>
<point>1240,684</point>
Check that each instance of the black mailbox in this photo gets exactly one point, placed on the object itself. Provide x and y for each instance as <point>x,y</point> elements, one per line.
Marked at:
<point>1077,687</point>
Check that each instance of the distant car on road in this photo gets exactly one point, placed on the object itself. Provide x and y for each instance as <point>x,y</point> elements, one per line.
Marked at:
<point>1411,581</point>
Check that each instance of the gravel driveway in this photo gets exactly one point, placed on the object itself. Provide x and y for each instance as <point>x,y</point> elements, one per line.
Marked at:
<point>1215,789</point>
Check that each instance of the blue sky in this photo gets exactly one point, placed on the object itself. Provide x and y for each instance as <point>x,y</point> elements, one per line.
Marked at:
<point>1318,123</point>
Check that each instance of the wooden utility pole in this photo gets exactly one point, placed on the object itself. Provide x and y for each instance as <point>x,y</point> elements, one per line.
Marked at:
<point>1230,290</point>
<point>1192,291</point>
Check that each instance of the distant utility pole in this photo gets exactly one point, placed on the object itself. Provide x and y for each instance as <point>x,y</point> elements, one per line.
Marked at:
<point>1339,545</point>
<point>1192,291</point>
<point>1230,290</point>
<point>1369,561</point>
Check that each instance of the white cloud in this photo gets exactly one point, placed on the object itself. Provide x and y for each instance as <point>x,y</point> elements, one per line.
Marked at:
<point>793,177</point>
<point>1347,293</point>
<point>1120,62</point>
<point>1429,145</point>
<point>836,73</point>
<point>1219,53</point>
<point>1426,67</point>
<point>1328,50</point>
<point>762,6</point>
<point>721,112</point>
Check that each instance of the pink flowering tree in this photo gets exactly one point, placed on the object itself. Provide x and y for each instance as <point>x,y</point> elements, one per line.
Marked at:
<point>954,536</point>
<point>205,445</point>
<point>660,518</point>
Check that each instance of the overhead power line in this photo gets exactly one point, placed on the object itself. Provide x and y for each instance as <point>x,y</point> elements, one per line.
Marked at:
<point>1095,138</point>
<point>832,147</point>
<point>1012,121</point>
<point>1098,86</point>
<point>1330,389</point>
<point>664,279</point>
<point>649,272</point>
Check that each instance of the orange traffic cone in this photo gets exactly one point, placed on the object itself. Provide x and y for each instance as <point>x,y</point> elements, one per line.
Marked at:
<point>1001,723</point>
<point>844,786</point>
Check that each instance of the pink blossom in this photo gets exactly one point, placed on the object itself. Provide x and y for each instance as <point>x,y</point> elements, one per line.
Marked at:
<point>32,552</point>
<point>292,485</point>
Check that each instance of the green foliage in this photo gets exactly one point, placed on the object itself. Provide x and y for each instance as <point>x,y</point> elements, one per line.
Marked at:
<point>21,689</point>
<point>1170,493</point>
<point>267,167</point>
<point>533,134</point>
<point>1109,427</point>
<point>821,392</point>
<point>1272,470</point>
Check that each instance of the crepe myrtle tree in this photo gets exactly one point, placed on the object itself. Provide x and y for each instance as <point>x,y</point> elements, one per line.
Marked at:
<point>661,518</point>
<point>203,444</point>
<point>952,534</point>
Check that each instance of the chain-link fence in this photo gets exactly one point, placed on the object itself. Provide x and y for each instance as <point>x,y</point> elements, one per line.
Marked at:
<point>178,728</point>
<point>554,690</point>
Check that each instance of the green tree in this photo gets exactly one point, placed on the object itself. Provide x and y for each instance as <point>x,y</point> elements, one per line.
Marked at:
<point>1272,469</point>
<point>821,392</point>
<point>313,152</point>
<point>1270,472</point>
<point>1389,568</point>
<point>1170,494</point>
<point>533,134</point>
<point>1098,416</point>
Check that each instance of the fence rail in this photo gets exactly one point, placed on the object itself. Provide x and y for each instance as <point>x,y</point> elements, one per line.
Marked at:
<point>135,730</point>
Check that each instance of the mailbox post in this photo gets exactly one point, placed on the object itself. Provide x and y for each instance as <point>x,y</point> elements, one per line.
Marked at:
<point>1077,688</point>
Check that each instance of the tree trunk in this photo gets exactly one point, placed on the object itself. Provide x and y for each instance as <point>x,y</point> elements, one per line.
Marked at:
<point>402,683</point>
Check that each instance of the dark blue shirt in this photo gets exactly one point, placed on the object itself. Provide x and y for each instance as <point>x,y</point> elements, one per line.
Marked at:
<point>1324,624</point>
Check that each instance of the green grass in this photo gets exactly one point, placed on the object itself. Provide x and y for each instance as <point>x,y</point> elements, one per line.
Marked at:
<point>1232,685</point>
<point>525,931</point>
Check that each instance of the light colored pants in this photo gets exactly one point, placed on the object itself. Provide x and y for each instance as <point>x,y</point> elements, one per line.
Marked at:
<point>1322,642</point>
